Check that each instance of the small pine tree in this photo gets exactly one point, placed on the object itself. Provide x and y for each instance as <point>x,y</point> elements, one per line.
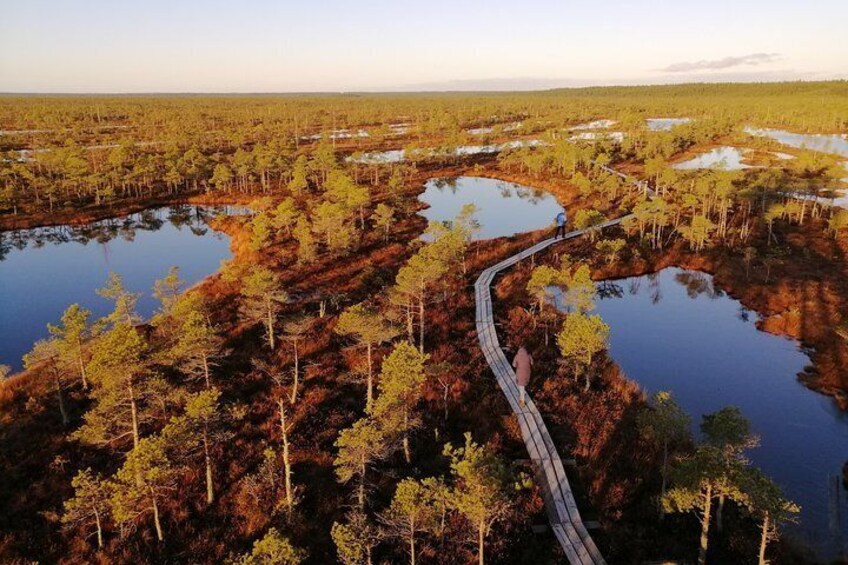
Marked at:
<point>610,248</point>
<point>47,354</point>
<point>306,251</point>
<point>384,217</point>
<point>90,504</point>
<point>401,386</point>
<point>272,549</point>
<point>664,423</point>
<point>411,512</point>
<point>355,538</point>
<point>196,433</point>
<point>72,334</point>
<point>480,488</point>
<point>360,446</point>
<point>125,301</point>
<point>142,484</point>
<point>197,347</point>
<point>581,338</point>
<point>369,328</point>
<point>262,299</point>
<point>123,384</point>
<point>766,501</point>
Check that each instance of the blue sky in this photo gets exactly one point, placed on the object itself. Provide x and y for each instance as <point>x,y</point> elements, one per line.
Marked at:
<point>332,45</point>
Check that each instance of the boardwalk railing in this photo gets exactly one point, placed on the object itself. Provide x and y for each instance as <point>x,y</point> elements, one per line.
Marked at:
<point>565,519</point>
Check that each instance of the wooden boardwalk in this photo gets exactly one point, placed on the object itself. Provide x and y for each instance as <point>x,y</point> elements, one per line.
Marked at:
<point>564,516</point>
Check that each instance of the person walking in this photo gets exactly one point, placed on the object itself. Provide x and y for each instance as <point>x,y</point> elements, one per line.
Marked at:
<point>561,219</point>
<point>522,363</point>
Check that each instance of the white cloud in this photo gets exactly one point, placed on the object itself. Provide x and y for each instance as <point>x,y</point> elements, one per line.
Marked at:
<point>752,59</point>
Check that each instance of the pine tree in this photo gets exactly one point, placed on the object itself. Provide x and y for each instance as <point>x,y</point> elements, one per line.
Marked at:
<point>480,488</point>
<point>401,387</point>
<point>665,423</point>
<point>125,301</point>
<point>285,215</point>
<point>306,251</point>
<point>541,279</point>
<point>167,291</point>
<point>261,230</point>
<point>332,220</point>
<point>298,182</point>
<point>360,446</point>
<point>717,469</point>
<point>579,295</point>
<point>72,334</point>
<point>411,512</point>
<point>122,386</point>
<point>610,248</point>
<point>370,329</point>
<point>47,354</point>
<point>589,220</point>
<point>262,299</point>
<point>415,279</point>
<point>142,484</point>
<point>581,338</point>
<point>766,501</point>
<point>222,177</point>
<point>730,432</point>
<point>355,538</point>
<point>272,549</point>
<point>384,217</point>
<point>90,504</point>
<point>196,433</point>
<point>197,346</point>
<point>285,428</point>
<point>294,331</point>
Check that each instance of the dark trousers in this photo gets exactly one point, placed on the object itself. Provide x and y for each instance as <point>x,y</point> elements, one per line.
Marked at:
<point>559,230</point>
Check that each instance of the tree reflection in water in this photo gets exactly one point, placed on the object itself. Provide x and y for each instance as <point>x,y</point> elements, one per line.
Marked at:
<point>609,289</point>
<point>194,218</point>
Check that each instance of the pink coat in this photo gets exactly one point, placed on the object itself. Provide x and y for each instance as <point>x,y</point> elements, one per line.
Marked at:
<point>522,364</point>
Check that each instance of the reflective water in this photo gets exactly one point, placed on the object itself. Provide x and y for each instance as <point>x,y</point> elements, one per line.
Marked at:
<point>616,136</point>
<point>725,158</point>
<point>399,155</point>
<point>503,208</point>
<point>597,124</point>
<point>44,270</point>
<point>675,331</point>
<point>828,143</point>
<point>337,134</point>
<point>485,130</point>
<point>665,124</point>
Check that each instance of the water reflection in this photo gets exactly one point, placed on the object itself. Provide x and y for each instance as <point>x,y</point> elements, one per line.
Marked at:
<point>400,155</point>
<point>725,158</point>
<point>44,270</point>
<point>503,208</point>
<point>665,124</point>
<point>827,143</point>
<point>674,330</point>
<point>597,124</point>
<point>194,218</point>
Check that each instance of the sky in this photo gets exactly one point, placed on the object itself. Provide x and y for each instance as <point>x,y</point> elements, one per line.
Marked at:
<point>83,46</point>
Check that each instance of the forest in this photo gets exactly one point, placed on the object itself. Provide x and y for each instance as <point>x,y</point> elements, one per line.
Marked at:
<point>322,397</point>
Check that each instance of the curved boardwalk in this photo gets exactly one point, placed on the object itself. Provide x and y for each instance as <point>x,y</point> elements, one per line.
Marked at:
<point>562,509</point>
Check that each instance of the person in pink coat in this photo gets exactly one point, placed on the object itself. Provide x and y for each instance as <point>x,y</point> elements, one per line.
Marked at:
<point>522,364</point>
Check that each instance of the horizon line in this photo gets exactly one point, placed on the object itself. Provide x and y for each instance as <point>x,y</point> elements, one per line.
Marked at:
<point>401,90</point>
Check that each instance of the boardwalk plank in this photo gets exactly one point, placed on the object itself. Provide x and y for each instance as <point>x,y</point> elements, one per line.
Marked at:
<point>566,523</point>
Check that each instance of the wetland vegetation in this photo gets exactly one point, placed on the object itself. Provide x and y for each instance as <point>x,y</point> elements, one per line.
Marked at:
<point>321,397</point>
